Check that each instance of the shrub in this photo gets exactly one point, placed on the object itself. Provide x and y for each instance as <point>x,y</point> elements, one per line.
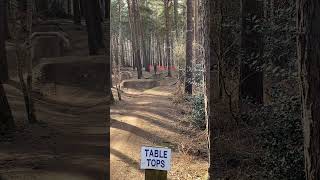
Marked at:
<point>281,137</point>
<point>198,111</point>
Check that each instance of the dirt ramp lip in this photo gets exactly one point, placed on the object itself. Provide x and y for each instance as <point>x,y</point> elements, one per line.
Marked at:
<point>140,84</point>
<point>90,73</point>
<point>74,80</point>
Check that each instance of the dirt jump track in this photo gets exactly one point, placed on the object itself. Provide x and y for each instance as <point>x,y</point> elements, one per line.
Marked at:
<point>71,140</point>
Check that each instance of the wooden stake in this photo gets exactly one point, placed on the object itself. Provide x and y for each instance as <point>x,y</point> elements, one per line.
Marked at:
<point>155,175</point>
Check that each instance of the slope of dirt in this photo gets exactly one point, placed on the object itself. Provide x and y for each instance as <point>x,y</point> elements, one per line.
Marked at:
<point>150,118</point>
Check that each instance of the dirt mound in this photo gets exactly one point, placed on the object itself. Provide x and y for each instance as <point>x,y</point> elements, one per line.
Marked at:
<point>140,84</point>
<point>88,73</point>
<point>126,75</point>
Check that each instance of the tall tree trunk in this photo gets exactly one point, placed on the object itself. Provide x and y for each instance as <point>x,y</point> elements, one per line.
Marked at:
<point>251,80</point>
<point>4,74</point>
<point>160,53</point>
<point>308,45</point>
<point>212,86</point>
<point>6,118</point>
<point>42,7</point>
<point>108,84</point>
<point>138,42</point>
<point>31,113</point>
<point>76,12</point>
<point>119,36</point>
<point>23,53</point>
<point>123,55</point>
<point>143,41</point>
<point>69,7</point>
<point>189,53</point>
<point>5,22</point>
<point>168,48</point>
<point>93,21</point>
<point>132,25</point>
<point>196,30</point>
<point>175,8</point>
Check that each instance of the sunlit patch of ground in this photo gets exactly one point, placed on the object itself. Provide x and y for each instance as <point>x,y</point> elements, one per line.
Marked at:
<point>150,118</point>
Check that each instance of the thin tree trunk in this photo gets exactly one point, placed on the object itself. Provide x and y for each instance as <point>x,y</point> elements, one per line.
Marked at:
<point>160,52</point>
<point>76,12</point>
<point>168,48</point>
<point>69,7</point>
<point>31,114</point>
<point>4,74</point>
<point>308,45</point>
<point>175,6</point>
<point>119,35</point>
<point>5,22</point>
<point>189,53</point>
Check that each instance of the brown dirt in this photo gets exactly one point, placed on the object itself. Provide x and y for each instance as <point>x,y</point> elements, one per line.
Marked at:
<point>150,118</point>
<point>69,144</point>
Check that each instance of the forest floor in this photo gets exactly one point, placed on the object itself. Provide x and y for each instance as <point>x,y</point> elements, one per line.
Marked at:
<point>151,118</point>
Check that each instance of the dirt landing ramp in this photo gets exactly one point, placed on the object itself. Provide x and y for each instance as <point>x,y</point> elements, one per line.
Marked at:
<point>139,84</point>
<point>48,44</point>
<point>73,77</point>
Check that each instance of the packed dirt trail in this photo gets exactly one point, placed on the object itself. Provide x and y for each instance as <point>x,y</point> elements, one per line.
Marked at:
<point>70,144</point>
<point>150,118</point>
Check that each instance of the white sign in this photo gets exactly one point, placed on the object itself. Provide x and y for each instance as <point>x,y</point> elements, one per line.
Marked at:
<point>155,158</point>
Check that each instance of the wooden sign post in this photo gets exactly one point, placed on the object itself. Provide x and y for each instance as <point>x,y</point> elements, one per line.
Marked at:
<point>156,162</point>
<point>155,174</point>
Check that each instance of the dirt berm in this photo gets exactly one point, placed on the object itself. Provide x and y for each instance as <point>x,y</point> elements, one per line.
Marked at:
<point>139,84</point>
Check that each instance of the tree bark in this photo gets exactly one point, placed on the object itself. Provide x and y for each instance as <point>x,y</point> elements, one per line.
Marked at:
<point>6,118</point>
<point>76,12</point>
<point>6,25</point>
<point>42,6</point>
<point>29,101</point>
<point>138,42</point>
<point>168,47</point>
<point>308,45</point>
<point>93,21</point>
<point>212,86</point>
<point>251,80</point>
<point>189,53</point>
<point>4,74</point>
<point>175,6</point>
